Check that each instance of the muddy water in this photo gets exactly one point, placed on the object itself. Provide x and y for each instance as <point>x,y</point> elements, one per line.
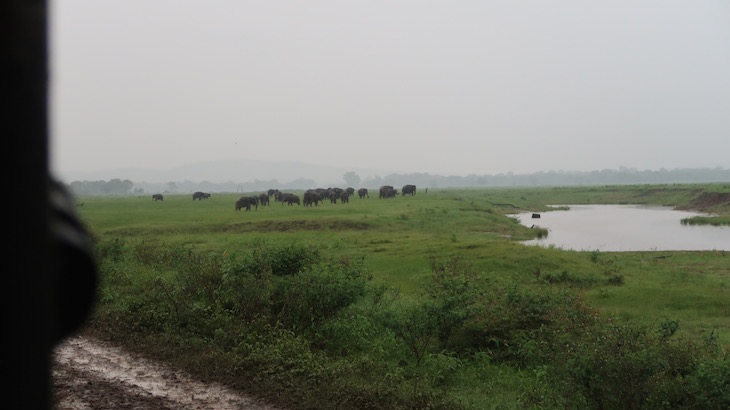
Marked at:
<point>625,228</point>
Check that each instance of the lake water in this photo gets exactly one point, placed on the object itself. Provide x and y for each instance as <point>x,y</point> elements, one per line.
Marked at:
<point>616,228</point>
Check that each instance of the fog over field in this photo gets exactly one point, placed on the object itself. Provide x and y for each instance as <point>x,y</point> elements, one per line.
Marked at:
<point>446,88</point>
<point>238,171</point>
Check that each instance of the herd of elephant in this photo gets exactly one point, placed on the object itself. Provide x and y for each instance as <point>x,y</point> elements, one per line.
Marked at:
<point>312,197</point>
<point>309,198</point>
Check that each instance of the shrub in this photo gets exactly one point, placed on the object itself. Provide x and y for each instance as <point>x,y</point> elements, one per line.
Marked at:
<point>626,366</point>
<point>668,328</point>
<point>316,294</point>
<point>112,250</point>
<point>709,384</point>
<point>291,259</point>
<point>615,280</point>
<point>524,325</point>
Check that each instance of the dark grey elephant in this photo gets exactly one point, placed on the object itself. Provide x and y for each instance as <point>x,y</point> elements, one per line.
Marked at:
<point>311,197</point>
<point>362,193</point>
<point>247,202</point>
<point>350,191</point>
<point>264,199</point>
<point>290,199</point>
<point>408,190</point>
<point>324,195</point>
<point>333,197</point>
<point>157,197</point>
<point>345,197</point>
<point>387,191</point>
<point>200,195</point>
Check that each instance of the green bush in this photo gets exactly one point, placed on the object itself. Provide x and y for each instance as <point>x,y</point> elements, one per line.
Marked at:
<point>316,294</point>
<point>291,259</point>
<point>565,277</point>
<point>108,250</point>
<point>615,280</point>
<point>709,384</point>
<point>626,366</point>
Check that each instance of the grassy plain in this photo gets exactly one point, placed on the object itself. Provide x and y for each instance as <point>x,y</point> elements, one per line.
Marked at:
<point>401,241</point>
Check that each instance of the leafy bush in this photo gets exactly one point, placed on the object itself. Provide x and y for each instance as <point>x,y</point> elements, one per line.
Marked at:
<point>316,294</point>
<point>450,296</point>
<point>615,280</point>
<point>308,291</point>
<point>291,259</point>
<point>108,250</point>
<point>626,366</point>
<point>563,277</point>
<point>709,384</point>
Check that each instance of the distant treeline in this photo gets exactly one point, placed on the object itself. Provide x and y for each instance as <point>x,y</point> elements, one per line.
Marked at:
<point>621,176</point>
<point>111,187</point>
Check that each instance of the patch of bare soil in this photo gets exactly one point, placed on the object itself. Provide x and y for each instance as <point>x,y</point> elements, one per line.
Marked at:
<point>92,374</point>
<point>709,199</point>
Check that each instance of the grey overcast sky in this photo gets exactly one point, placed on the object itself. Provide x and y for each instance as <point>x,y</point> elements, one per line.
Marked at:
<point>441,87</point>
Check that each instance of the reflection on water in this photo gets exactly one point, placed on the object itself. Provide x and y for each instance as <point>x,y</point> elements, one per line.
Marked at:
<point>625,228</point>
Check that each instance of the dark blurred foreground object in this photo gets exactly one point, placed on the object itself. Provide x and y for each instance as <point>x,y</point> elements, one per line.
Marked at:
<point>47,267</point>
<point>73,265</point>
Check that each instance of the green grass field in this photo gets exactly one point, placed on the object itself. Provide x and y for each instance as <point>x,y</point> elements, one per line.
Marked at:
<point>151,253</point>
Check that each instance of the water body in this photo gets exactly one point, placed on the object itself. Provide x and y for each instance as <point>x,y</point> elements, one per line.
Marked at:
<point>618,228</point>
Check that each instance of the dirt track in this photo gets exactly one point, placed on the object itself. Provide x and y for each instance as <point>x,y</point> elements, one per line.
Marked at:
<point>91,374</point>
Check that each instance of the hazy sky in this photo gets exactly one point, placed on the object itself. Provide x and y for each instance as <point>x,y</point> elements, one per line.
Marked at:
<point>443,87</point>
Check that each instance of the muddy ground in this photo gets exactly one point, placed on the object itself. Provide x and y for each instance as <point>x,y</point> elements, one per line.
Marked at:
<point>92,374</point>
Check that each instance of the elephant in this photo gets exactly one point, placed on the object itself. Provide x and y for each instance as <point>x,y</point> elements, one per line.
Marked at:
<point>271,192</point>
<point>384,190</point>
<point>363,192</point>
<point>350,191</point>
<point>157,197</point>
<point>345,197</point>
<point>246,202</point>
<point>333,197</point>
<point>408,190</point>
<point>290,199</point>
<point>324,194</point>
<point>387,191</point>
<point>311,196</point>
<point>200,195</point>
<point>264,199</point>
